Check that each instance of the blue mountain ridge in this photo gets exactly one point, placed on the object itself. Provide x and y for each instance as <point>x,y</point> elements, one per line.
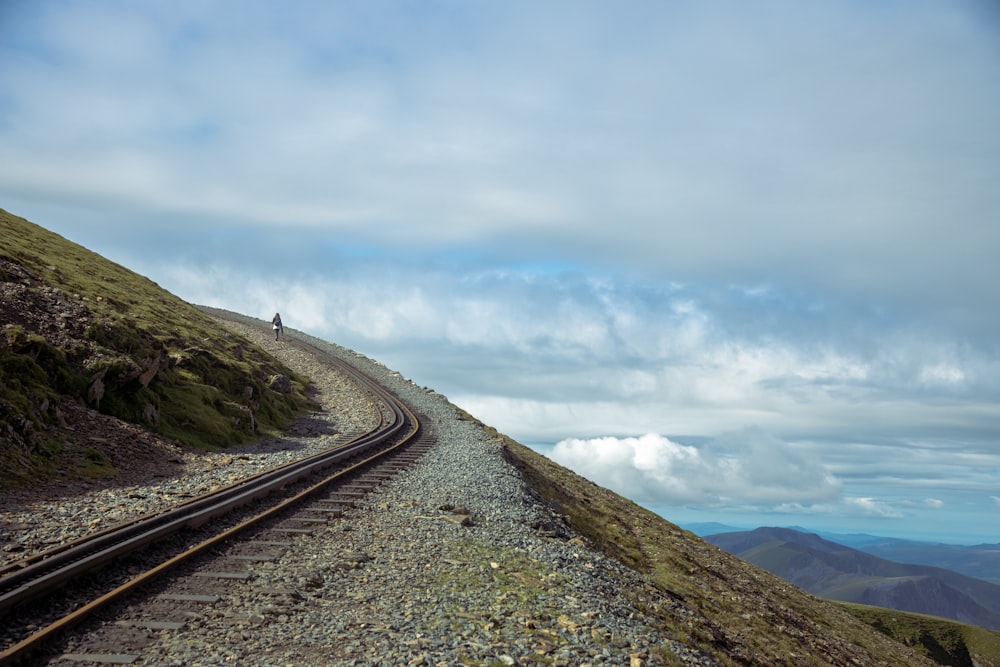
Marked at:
<point>838,572</point>
<point>981,561</point>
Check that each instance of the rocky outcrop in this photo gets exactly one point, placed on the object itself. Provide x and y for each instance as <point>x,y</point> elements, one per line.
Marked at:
<point>36,317</point>
<point>96,390</point>
<point>77,328</point>
<point>280,383</point>
<point>59,317</point>
<point>58,346</point>
<point>151,366</point>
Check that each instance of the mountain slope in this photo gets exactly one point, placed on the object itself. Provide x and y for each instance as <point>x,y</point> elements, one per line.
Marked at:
<point>836,572</point>
<point>697,594</point>
<point>79,330</point>
<point>704,596</point>
<point>981,561</point>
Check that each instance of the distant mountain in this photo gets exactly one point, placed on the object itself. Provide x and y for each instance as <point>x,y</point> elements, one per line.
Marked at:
<point>710,528</point>
<point>981,561</point>
<point>838,572</point>
<point>854,540</point>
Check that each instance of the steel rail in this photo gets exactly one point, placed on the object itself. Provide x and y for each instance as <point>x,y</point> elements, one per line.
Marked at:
<point>29,644</point>
<point>44,572</point>
<point>45,575</point>
<point>10,571</point>
<point>55,567</point>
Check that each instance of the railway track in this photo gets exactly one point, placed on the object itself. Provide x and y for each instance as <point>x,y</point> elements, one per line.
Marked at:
<point>252,520</point>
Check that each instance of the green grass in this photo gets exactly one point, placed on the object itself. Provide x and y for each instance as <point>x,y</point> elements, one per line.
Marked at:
<point>704,597</point>
<point>208,379</point>
<point>31,374</point>
<point>946,641</point>
<point>95,464</point>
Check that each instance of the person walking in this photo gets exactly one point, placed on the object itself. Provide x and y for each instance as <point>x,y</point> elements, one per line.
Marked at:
<point>276,325</point>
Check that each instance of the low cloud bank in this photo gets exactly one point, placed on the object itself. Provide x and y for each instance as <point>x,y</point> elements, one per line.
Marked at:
<point>769,409</point>
<point>750,466</point>
<point>541,355</point>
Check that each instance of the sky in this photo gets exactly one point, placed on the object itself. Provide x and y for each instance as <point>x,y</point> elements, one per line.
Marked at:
<point>736,261</point>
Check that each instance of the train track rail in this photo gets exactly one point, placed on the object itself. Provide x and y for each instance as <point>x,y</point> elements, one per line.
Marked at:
<point>267,497</point>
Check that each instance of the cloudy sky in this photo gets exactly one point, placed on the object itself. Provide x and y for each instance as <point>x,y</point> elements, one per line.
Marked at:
<point>737,261</point>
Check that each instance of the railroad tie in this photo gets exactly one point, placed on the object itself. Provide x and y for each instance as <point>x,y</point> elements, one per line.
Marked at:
<point>342,496</point>
<point>335,512</point>
<point>376,477</point>
<point>152,625</point>
<point>242,576</point>
<point>339,502</point>
<point>313,521</point>
<point>184,597</point>
<point>102,658</point>
<point>293,531</point>
<point>358,488</point>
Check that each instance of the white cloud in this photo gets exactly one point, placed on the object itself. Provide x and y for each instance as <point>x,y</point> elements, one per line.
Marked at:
<point>941,373</point>
<point>531,354</point>
<point>873,507</point>
<point>746,467</point>
<point>934,503</point>
<point>779,216</point>
<point>756,127</point>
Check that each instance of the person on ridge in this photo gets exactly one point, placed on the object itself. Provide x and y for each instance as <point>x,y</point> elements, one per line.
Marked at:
<point>276,325</point>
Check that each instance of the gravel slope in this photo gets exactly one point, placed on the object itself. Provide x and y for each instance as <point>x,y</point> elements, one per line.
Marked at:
<point>35,519</point>
<point>391,583</point>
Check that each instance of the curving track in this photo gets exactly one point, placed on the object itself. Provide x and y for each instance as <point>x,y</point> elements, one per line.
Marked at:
<point>28,581</point>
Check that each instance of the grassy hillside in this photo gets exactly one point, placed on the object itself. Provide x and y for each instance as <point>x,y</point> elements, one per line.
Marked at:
<point>945,641</point>
<point>738,612</point>
<point>703,596</point>
<point>79,328</point>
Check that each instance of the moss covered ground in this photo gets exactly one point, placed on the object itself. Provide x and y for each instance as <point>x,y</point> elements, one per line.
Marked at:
<point>117,342</point>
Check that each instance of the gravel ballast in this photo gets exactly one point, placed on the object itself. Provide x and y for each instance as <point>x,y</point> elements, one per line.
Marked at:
<point>392,583</point>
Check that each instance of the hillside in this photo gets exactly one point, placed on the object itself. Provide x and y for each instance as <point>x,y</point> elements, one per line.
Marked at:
<point>70,318</point>
<point>79,331</point>
<point>837,572</point>
<point>981,561</point>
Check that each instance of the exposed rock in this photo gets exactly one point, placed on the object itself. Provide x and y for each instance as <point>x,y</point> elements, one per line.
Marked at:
<point>44,311</point>
<point>151,414</point>
<point>463,520</point>
<point>96,391</point>
<point>280,383</point>
<point>246,420</point>
<point>152,367</point>
<point>551,528</point>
